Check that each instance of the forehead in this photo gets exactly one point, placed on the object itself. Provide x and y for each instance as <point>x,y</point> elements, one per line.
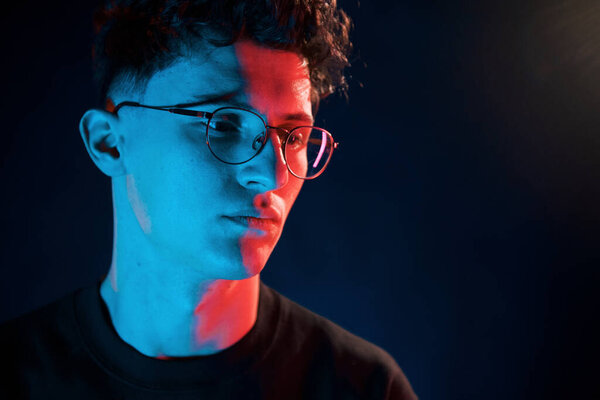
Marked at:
<point>267,79</point>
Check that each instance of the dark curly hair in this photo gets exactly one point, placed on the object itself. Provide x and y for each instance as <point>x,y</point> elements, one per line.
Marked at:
<point>136,38</point>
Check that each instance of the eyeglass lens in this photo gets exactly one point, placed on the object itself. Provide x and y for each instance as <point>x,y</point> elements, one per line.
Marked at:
<point>235,136</point>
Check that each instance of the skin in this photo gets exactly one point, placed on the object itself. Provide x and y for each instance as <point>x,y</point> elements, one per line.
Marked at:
<point>184,278</point>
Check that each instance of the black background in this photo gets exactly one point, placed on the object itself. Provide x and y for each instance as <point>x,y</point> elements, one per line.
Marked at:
<point>457,226</point>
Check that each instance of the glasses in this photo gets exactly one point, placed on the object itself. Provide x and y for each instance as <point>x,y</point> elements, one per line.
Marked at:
<point>235,136</point>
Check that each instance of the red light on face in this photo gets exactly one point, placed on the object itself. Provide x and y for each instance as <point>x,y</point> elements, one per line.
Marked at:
<point>277,85</point>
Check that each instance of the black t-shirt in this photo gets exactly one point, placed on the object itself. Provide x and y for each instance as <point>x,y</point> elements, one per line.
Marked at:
<point>70,350</point>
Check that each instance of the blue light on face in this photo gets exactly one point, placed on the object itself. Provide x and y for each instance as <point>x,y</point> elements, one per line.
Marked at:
<point>220,220</point>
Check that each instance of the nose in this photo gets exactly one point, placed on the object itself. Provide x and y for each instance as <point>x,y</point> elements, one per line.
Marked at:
<point>267,170</point>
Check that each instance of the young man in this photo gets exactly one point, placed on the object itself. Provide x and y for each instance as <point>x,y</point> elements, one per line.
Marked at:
<point>208,137</point>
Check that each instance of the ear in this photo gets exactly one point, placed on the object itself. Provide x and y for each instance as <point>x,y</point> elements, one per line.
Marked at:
<point>102,141</point>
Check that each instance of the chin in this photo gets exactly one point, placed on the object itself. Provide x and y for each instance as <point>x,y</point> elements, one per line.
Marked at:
<point>255,253</point>
<point>254,262</point>
<point>250,265</point>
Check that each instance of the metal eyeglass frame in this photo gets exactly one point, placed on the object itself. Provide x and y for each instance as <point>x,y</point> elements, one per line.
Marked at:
<point>179,109</point>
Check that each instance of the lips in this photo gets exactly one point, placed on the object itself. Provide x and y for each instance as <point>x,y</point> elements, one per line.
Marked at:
<point>262,218</point>
<point>259,213</point>
<point>263,224</point>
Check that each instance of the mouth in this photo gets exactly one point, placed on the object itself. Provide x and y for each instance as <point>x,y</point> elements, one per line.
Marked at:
<point>264,224</point>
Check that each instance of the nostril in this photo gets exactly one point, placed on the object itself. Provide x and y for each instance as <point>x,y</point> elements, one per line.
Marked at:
<point>261,201</point>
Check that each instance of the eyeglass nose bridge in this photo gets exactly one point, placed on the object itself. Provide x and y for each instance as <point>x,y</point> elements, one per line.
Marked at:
<point>281,145</point>
<point>283,139</point>
<point>287,132</point>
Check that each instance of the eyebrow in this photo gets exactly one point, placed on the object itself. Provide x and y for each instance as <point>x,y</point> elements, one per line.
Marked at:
<point>202,99</point>
<point>298,117</point>
<point>226,98</point>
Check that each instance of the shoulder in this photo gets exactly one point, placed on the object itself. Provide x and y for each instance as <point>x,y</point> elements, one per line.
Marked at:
<point>39,334</point>
<point>41,317</point>
<point>33,342</point>
<point>335,350</point>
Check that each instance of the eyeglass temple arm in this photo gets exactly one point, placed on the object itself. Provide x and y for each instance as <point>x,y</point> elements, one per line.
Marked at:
<point>173,110</point>
<point>318,141</point>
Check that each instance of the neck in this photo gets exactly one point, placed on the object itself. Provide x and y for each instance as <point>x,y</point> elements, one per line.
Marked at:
<point>170,318</point>
<point>166,308</point>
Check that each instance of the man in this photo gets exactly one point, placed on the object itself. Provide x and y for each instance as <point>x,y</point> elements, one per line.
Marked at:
<point>208,137</point>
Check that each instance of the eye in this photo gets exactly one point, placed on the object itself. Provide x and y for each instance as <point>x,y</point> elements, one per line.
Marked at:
<point>296,140</point>
<point>224,125</point>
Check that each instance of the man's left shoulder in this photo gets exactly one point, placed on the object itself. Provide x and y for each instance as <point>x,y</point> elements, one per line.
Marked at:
<point>335,350</point>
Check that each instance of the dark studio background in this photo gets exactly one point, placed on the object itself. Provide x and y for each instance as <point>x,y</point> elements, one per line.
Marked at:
<point>457,226</point>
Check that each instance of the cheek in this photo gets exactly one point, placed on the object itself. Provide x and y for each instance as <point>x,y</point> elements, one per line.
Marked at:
<point>172,181</point>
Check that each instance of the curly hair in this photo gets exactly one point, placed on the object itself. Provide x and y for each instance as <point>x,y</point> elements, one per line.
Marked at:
<point>136,38</point>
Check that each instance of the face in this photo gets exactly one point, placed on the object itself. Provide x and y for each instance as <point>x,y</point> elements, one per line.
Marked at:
<point>189,204</point>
